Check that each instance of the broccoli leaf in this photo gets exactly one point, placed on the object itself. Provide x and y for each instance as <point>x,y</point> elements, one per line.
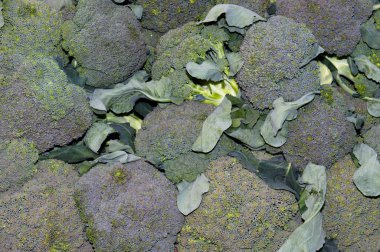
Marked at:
<point>116,145</point>
<point>370,35</point>
<point>70,154</point>
<point>114,157</point>
<point>367,177</point>
<point>1,15</point>
<point>235,61</point>
<point>126,135</point>
<point>123,97</point>
<point>317,50</point>
<point>368,68</point>
<point>190,194</point>
<point>213,127</point>
<point>207,70</point>
<point>248,135</point>
<point>325,75</point>
<point>236,16</point>
<point>310,235</point>
<point>373,108</point>
<point>137,10</point>
<point>96,135</point>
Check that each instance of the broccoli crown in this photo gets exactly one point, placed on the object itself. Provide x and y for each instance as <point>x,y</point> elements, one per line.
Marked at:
<point>335,23</point>
<point>320,134</point>
<point>116,54</point>
<point>129,207</point>
<point>371,137</point>
<point>39,104</point>
<point>164,15</point>
<point>273,52</point>
<point>17,159</point>
<point>240,212</point>
<point>169,132</point>
<point>42,215</point>
<point>349,217</point>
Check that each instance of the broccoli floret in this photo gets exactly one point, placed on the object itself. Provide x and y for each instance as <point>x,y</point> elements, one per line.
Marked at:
<point>129,207</point>
<point>164,15</point>
<point>167,136</point>
<point>273,52</point>
<point>17,163</point>
<point>335,23</point>
<point>39,104</point>
<point>349,217</point>
<point>239,213</point>
<point>111,57</point>
<point>320,134</point>
<point>42,215</point>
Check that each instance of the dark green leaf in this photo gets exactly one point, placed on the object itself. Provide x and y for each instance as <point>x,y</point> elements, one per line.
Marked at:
<point>317,50</point>
<point>370,35</point>
<point>96,135</point>
<point>126,134</point>
<point>250,136</point>
<point>143,108</point>
<point>235,62</point>
<point>70,154</point>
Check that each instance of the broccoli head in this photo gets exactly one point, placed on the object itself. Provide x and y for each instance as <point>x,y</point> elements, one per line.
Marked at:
<point>39,104</point>
<point>273,52</point>
<point>335,23</point>
<point>42,215</point>
<point>116,54</point>
<point>129,207</point>
<point>239,213</point>
<point>17,163</point>
<point>349,217</point>
<point>321,133</point>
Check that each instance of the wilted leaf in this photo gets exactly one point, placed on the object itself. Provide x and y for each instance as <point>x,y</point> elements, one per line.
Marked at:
<point>367,177</point>
<point>137,10</point>
<point>235,62</point>
<point>370,35</point>
<point>96,135</point>
<point>190,194</point>
<point>248,135</point>
<point>70,154</point>
<point>213,127</point>
<point>373,108</point>
<point>207,70</point>
<point>317,50</point>
<point>368,68</point>
<point>236,16</point>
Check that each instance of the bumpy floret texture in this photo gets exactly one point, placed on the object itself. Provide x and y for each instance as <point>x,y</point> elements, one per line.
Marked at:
<point>349,217</point>
<point>273,52</point>
<point>17,163</point>
<point>335,23</point>
<point>181,46</point>
<point>258,6</point>
<point>129,207</point>
<point>42,215</point>
<point>371,137</point>
<point>114,55</point>
<point>320,134</point>
<point>239,213</point>
<point>37,103</point>
<point>164,15</point>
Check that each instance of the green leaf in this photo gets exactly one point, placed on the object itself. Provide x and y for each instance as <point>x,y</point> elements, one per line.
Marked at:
<point>117,156</point>
<point>1,15</point>
<point>137,10</point>
<point>235,62</point>
<point>116,145</point>
<point>96,135</point>
<point>368,68</point>
<point>250,136</point>
<point>373,108</point>
<point>367,177</point>
<point>190,194</point>
<point>213,127</point>
<point>325,74</point>
<point>126,135</point>
<point>70,154</point>
<point>370,35</point>
<point>317,50</point>
<point>207,70</point>
<point>236,16</point>
<point>123,97</point>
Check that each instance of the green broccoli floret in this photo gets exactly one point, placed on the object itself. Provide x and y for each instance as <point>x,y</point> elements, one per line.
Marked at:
<point>193,43</point>
<point>167,136</point>
<point>239,213</point>
<point>349,217</point>
<point>17,163</point>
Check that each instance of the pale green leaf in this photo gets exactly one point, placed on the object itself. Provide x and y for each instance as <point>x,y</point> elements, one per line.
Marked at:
<point>115,157</point>
<point>190,194</point>
<point>373,108</point>
<point>325,75</point>
<point>236,16</point>
<point>213,127</point>
<point>207,70</point>
<point>235,61</point>
<point>96,135</point>
<point>368,68</point>
<point>367,177</point>
<point>248,135</point>
<point>342,66</point>
<point>137,10</point>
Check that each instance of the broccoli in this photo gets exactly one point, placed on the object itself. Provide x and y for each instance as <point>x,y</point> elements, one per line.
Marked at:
<point>273,52</point>
<point>335,23</point>
<point>39,104</point>
<point>129,207</point>
<point>167,136</point>
<point>320,134</point>
<point>17,163</point>
<point>349,217</point>
<point>42,215</point>
<point>239,213</point>
<point>371,137</point>
<point>193,43</point>
<point>112,57</point>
